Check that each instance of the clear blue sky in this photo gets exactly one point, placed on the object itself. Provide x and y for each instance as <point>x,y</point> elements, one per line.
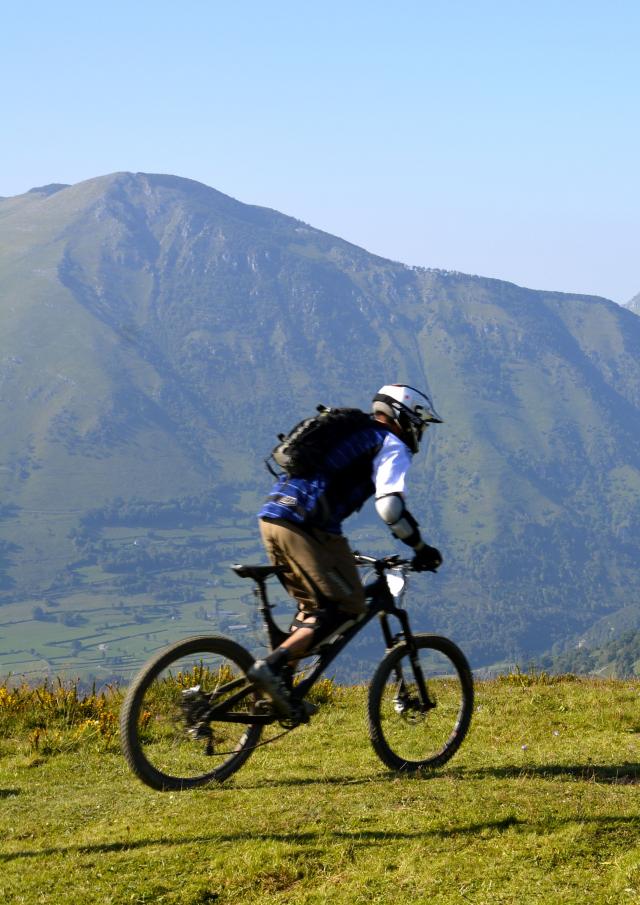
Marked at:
<point>498,138</point>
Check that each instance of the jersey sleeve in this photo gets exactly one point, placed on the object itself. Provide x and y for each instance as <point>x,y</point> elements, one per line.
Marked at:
<point>390,466</point>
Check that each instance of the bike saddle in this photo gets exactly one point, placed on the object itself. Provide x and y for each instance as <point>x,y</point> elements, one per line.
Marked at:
<point>258,573</point>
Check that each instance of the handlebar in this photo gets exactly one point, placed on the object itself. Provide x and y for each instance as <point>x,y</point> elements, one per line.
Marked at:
<point>380,565</point>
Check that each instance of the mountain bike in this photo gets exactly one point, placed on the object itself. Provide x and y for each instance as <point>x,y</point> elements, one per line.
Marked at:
<point>191,716</point>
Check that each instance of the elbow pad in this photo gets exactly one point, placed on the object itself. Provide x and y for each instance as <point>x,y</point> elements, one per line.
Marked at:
<point>392,510</point>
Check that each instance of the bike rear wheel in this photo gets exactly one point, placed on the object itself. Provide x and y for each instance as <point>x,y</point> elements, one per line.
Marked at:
<point>407,733</point>
<point>166,738</point>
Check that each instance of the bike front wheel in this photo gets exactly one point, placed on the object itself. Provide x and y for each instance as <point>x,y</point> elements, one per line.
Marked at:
<point>166,734</point>
<point>420,707</point>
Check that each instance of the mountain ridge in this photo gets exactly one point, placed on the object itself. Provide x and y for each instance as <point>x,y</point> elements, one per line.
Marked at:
<point>634,304</point>
<point>157,334</point>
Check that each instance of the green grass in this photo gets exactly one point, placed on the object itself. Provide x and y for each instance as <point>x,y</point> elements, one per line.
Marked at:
<point>540,805</point>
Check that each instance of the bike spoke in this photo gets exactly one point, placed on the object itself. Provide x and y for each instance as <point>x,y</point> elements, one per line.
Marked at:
<point>193,716</point>
<point>419,708</point>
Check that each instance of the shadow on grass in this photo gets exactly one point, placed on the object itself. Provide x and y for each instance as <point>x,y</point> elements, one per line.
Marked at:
<point>297,781</point>
<point>620,774</point>
<point>9,793</point>
<point>358,839</point>
<point>616,774</point>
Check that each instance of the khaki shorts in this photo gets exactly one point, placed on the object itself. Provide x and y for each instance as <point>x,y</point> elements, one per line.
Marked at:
<point>322,568</point>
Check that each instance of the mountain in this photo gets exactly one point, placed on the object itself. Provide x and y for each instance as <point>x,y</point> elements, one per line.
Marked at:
<point>156,335</point>
<point>634,304</point>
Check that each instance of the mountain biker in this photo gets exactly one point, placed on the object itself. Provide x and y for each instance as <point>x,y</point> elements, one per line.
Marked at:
<point>301,527</point>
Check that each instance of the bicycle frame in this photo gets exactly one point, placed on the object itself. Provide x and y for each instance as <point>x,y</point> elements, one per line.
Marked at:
<point>227,711</point>
<point>382,604</point>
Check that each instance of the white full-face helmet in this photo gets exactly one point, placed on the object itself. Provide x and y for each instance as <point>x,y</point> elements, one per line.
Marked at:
<point>411,410</point>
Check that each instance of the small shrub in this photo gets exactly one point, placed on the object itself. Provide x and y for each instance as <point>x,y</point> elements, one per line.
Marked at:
<point>325,691</point>
<point>527,679</point>
<point>57,717</point>
<point>45,742</point>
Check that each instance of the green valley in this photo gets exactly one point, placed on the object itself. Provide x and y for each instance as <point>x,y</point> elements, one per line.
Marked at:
<point>156,335</point>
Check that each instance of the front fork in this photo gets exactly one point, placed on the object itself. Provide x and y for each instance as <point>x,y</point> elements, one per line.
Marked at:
<point>406,635</point>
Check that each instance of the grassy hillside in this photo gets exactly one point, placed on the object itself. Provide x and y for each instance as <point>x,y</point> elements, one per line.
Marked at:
<point>539,807</point>
<point>156,335</point>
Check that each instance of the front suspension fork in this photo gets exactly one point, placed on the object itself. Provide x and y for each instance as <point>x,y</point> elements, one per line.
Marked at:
<point>406,635</point>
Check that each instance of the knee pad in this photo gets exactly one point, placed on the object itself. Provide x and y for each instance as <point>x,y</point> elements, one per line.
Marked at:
<point>323,622</point>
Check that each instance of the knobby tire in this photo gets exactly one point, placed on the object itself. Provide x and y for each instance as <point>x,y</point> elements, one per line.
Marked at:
<point>405,736</point>
<point>154,733</point>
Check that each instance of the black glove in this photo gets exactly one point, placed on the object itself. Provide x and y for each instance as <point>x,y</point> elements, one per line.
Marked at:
<point>427,559</point>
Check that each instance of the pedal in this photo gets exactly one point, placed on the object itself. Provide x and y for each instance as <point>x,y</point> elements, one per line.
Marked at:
<point>303,712</point>
<point>200,733</point>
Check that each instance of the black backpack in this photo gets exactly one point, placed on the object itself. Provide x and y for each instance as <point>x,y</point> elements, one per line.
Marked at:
<point>302,452</point>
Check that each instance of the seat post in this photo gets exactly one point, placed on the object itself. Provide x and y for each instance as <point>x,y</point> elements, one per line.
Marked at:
<point>260,592</point>
<point>259,574</point>
<point>274,632</point>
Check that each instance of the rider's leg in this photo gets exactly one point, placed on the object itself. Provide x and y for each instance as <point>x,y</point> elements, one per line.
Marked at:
<point>321,566</point>
<point>306,631</point>
<point>275,672</point>
<point>322,577</point>
<point>298,642</point>
<point>321,571</point>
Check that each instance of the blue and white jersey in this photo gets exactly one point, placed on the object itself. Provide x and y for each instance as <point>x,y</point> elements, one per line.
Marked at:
<point>370,461</point>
